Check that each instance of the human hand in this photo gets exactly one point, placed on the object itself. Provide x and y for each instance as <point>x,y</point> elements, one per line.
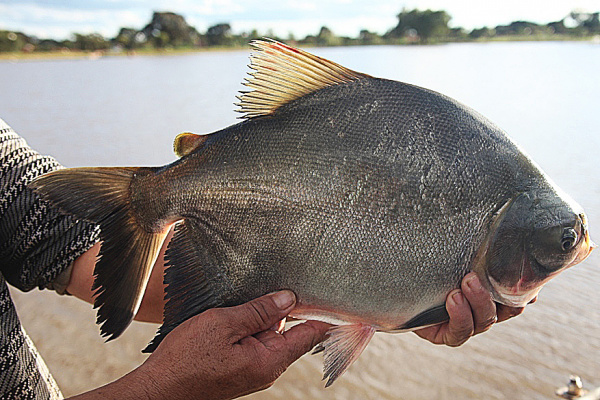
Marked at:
<point>471,310</point>
<point>229,352</point>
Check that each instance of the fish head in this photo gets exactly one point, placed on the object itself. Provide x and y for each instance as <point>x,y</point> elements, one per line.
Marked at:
<point>535,236</point>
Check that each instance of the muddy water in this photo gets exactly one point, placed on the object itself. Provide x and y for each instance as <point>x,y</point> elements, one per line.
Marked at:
<point>125,111</point>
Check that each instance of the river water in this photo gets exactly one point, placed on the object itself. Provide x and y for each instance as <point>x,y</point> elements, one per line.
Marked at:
<point>126,111</point>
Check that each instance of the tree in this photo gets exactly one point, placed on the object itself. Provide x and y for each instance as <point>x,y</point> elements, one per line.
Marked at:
<point>521,28</point>
<point>558,27</point>
<point>219,35</point>
<point>327,38</point>
<point>367,37</point>
<point>592,23</point>
<point>170,29</point>
<point>12,41</point>
<point>91,42</point>
<point>427,25</point>
<point>127,38</point>
<point>484,32</point>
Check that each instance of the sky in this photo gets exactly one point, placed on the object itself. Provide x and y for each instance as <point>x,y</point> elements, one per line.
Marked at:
<point>59,19</point>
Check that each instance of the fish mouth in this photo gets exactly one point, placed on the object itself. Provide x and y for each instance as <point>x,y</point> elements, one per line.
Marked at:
<point>520,294</point>
<point>586,249</point>
<point>528,287</point>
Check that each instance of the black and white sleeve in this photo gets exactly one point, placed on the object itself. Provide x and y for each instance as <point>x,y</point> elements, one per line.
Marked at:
<point>37,243</point>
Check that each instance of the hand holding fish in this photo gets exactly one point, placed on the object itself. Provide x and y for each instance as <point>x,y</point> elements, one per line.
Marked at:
<point>233,351</point>
<point>471,310</point>
<point>221,354</point>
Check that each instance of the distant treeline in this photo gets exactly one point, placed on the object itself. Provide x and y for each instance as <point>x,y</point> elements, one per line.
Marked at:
<point>170,30</point>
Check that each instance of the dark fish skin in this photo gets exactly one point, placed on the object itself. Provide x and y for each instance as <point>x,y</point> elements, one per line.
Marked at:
<point>371,199</point>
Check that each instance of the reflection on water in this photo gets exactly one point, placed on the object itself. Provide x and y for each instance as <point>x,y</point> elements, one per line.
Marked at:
<point>126,111</point>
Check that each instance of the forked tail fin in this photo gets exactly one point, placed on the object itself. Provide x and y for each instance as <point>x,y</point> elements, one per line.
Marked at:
<point>128,252</point>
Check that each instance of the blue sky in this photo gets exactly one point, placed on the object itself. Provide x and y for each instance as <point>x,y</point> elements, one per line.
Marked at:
<point>60,18</point>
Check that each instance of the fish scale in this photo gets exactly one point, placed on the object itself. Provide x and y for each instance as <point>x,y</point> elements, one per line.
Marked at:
<point>371,199</point>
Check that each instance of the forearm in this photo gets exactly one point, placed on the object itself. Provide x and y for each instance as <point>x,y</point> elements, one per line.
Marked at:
<point>136,385</point>
<point>151,309</point>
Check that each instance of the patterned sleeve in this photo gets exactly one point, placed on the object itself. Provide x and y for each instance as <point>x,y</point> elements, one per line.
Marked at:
<point>37,243</point>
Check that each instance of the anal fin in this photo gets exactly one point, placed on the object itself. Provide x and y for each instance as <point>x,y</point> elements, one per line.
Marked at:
<point>342,347</point>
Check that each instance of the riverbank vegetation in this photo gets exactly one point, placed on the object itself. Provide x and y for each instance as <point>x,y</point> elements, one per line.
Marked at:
<point>168,31</point>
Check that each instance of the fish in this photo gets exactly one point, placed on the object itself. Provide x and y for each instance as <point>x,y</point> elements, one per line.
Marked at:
<point>369,198</point>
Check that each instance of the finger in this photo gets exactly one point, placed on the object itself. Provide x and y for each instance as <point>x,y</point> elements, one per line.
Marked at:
<point>302,338</point>
<point>279,327</point>
<point>435,333</point>
<point>259,314</point>
<point>461,325</point>
<point>506,312</point>
<point>271,340</point>
<point>480,300</point>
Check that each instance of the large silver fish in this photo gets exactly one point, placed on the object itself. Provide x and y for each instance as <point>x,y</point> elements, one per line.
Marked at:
<point>371,199</point>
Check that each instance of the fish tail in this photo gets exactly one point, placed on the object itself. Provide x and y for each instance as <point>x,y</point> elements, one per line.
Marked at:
<point>129,248</point>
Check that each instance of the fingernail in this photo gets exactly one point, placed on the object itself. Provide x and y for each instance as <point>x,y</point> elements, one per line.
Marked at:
<point>284,299</point>
<point>473,283</point>
<point>458,298</point>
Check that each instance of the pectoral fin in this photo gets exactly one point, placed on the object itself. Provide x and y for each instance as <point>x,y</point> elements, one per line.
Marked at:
<point>193,277</point>
<point>433,316</point>
<point>343,346</point>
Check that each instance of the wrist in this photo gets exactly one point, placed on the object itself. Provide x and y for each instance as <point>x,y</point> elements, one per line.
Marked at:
<point>160,382</point>
<point>170,376</point>
<point>134,385</point>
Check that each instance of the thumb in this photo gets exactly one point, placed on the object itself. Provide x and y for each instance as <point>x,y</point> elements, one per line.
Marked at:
<point>260,314</point>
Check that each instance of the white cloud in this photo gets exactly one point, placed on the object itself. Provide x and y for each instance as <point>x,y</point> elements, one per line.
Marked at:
<point>342,27</point>
<point>303,6</point>
<point>61,23</point>
<point>469,14</point>
<point>206,7</point>
<point>302,17</point>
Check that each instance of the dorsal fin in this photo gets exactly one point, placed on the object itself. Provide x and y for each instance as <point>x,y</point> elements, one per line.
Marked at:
<point>282,74</point>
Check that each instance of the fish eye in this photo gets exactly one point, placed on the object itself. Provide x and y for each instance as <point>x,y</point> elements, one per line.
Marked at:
<point>569,239</point>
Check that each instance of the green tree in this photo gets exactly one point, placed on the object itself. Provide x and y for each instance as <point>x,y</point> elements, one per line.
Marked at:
<point>12,41</point>
<point>558,27</point>
<point>127,38</point>
<point>91,42</point>
<point>366,37</point>
<point>522,28</point>
<point>219,35</point>
<point>327,38</point>
<point>480,33</point>
<point>170,29</point>
<point>592,23</point>
<point>426,25</point>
